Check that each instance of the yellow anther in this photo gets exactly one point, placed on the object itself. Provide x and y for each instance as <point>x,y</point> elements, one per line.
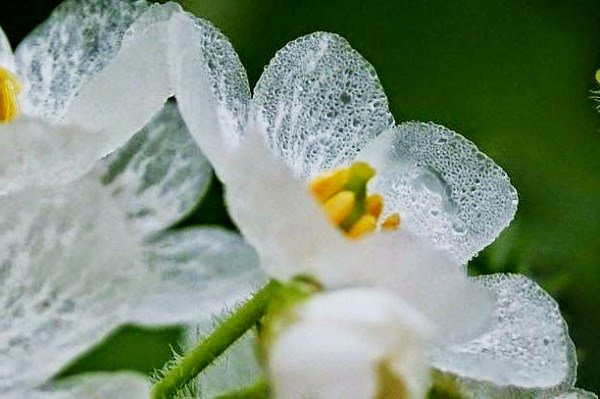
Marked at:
<point>339,207</point>
<point>392,222</point>
<point>598,76</point>
<point>327,185</point>
<point>374,205</point>
<point>365,225</point>
<point>9,89</point>
<point>343,195</point>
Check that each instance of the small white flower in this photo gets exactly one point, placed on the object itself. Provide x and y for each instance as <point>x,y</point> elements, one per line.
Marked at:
<point>352,343</point>
<point>318,107</point>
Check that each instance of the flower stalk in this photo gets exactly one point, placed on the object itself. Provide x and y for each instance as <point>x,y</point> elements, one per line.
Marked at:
<point>208,350</point>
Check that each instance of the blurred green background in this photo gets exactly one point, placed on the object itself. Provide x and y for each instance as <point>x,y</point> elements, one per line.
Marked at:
<point>514,76</point>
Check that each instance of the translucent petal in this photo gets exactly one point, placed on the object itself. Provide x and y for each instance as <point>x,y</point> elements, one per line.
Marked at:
<point>70,271</point>
<point>35,153</point>
<point>134,86</point>
<point>526,349</point>
<point>122,385</point>
<point>322,102</point>
<point>7,59</point>
<point>212,89</point>
<point>443,186</point>
<point>60,56</point>
<point>201,273</point>
<point>160,174</point>
<point>165,52</point>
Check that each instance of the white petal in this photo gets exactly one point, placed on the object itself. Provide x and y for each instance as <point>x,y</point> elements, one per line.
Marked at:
<point>365,308</point>
<point>527,349</point>
<point>133,87</point>
<point>276,214</point>
<point>212,90</point>
<point>122,385</point>
<point>426,279</point>
<point>7,59</point>
<point>70,271</point>
<point>201,273</point>
<point>160,174</point>
<point>443,186</point>
<point>35,153</point>
<point>322,103</point>
<point>168,52</point>
<point>60,56</point>
<point>322,361</point>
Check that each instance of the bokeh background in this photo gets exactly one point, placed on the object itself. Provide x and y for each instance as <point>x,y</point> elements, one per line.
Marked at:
<point>514,76</point>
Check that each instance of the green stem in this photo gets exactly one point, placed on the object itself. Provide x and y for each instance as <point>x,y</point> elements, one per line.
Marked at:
<point>238,322</point>
<point>260,390</point>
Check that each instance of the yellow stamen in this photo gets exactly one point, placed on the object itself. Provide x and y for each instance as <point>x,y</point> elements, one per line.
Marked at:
<point>343,195</point>
<point>325,186</point>
<point>598,76</point>
<point>9,90</point>
<point>391,222</point>
<point>374,205</point>
<point>366,224</point>
<point>339,207</point>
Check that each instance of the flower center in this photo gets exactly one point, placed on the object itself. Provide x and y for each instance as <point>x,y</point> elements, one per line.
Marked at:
<point>343,195</point>
<point>9,90</point>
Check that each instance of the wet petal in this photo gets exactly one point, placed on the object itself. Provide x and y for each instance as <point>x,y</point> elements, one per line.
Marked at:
<point>322,102</point>
<point>62,54</point>
<point>201,272</point>
<point>212,90</point>
<point>168,52</point>
<point>134,86</point>
<point>443,187</point>
<point>70,272</point>
<point>160,174</point>
<point>122,385</point>
<point>526,350</point>
<point>7,59</point>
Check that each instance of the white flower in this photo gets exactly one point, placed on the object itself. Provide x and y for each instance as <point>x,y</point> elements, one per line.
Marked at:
<point>352,343</point>
<point>319,106</point>
<point>83,246</point>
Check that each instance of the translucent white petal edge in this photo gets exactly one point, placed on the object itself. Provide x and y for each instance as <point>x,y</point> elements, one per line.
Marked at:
<point>443,187</point>
<point>7,58</point>
<point>527,347</point>
<point>321,102</point>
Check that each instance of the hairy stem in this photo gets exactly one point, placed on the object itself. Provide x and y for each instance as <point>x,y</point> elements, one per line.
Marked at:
<point>259,390</point>
<point>232,328</point>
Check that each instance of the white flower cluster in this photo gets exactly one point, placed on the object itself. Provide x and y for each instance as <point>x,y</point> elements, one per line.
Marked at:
<point>100,161</point>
